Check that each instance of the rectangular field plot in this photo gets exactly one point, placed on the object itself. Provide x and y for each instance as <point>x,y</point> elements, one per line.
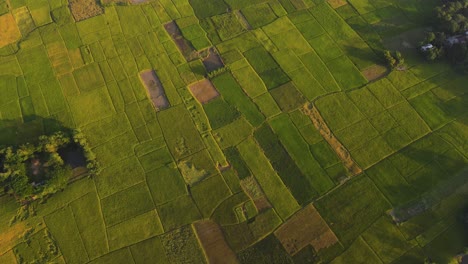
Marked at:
<point>98,106</point>
<point>134,230</point>
<point>126,204</point>
<point>352,216</point>
<point>154,89</point>
<point>303,228</point>
<point>90,223</point>
<point>179,131</point>
<point>211,238</point>
<point>63,228</point>
<point>275,190</point>
<point>203,91</point>
<point>148,251</point>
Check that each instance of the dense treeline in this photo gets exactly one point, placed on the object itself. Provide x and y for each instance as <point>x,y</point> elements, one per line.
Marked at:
<point>449,38</point>
<point>33,171</point>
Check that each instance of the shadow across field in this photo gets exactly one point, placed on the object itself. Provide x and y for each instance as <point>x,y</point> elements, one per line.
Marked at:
<point>17,132</point>
<point>442,176</point>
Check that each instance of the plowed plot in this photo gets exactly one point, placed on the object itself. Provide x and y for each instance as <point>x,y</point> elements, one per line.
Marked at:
<point>374,72</point>
<point>184,46</point>
<point>204,91</point>
<point>155,90</point>
<point>326,133</point>
<point>213,243</point>
<point>306,227</point>
<point>211,60</point>
<point>9,32</point>
<point>84,9</point>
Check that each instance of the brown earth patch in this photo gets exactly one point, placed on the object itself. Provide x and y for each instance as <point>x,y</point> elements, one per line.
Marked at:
<point>336,145</point>
<point>154,89</point>
<point>204,91</point>
<point>9,31</point>
<point>375,72</point>
<point>211,59</point>
<point>84,9</point>
<point>212,241</point>
<point>337,3</point>
<point>306,227</point>
<point>184,46</point>
<point>262,204</point>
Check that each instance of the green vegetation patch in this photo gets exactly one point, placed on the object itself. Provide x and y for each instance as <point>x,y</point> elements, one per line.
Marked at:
<point>209,193</point>
<point>126,204</point>
<point>220,113</point>
<point>282,162</point>
<point>179,131</point>
<point>351,216</point>
<point>181,246</point>
<point>300,152</point>
<point>178,212</point>
<point>230,89</point>
<point>169,177</point>
<point>259,15</point>
<point>276,192</point>
<point>288,97</point>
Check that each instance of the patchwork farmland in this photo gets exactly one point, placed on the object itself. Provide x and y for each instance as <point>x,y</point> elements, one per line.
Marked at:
<point>234,131</point>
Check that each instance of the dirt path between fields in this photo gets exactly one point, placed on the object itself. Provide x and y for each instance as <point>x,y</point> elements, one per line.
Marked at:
<point>340,150</point>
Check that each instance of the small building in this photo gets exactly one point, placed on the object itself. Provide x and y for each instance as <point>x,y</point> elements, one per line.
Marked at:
<point>427,47</point>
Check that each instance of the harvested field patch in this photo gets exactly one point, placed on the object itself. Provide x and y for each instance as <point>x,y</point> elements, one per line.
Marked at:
<point>306,227</point>
<point>155,89</point>
<point>10,238</point>
<point>214,245</point>
<point>336,3</point>
<point>184,46</point>
<point>84,9</point>
<point>375,72</point>
<point>211,59</point>
<point>9,31</point>
<point>204,91</point>
<point>326,133</point>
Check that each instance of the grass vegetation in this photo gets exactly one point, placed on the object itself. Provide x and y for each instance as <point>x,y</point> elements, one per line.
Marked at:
<point>250,160</point>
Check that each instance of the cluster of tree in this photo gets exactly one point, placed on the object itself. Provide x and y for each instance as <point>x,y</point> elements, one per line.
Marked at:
<point>394,60</point>
<point>34,171</point>
<point>449,38</point>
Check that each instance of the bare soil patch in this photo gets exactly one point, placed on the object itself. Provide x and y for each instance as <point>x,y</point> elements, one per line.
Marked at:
<point>375,72</point>
<point>337,3</point>
<point>211,59</point>
<point>204,91</point>
<point>184,46</point>
<point>84,9</point>
<point>326,133</point>
<point>9,31</point>
<point>214,245</point>
<point>306,227</point>
<point>155,89</point>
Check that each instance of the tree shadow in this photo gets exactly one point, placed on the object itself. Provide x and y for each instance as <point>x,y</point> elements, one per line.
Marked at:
<point>15,132</point>
<point>439,176</point>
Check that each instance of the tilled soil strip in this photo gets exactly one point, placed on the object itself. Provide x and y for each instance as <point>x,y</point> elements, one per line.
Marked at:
<point>155,89</point>
<point>214,245</point>
<point>185,47</point>
<point>336,145</point>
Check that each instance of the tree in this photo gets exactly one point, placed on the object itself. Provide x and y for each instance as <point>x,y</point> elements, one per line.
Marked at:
<point>391,61</point>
